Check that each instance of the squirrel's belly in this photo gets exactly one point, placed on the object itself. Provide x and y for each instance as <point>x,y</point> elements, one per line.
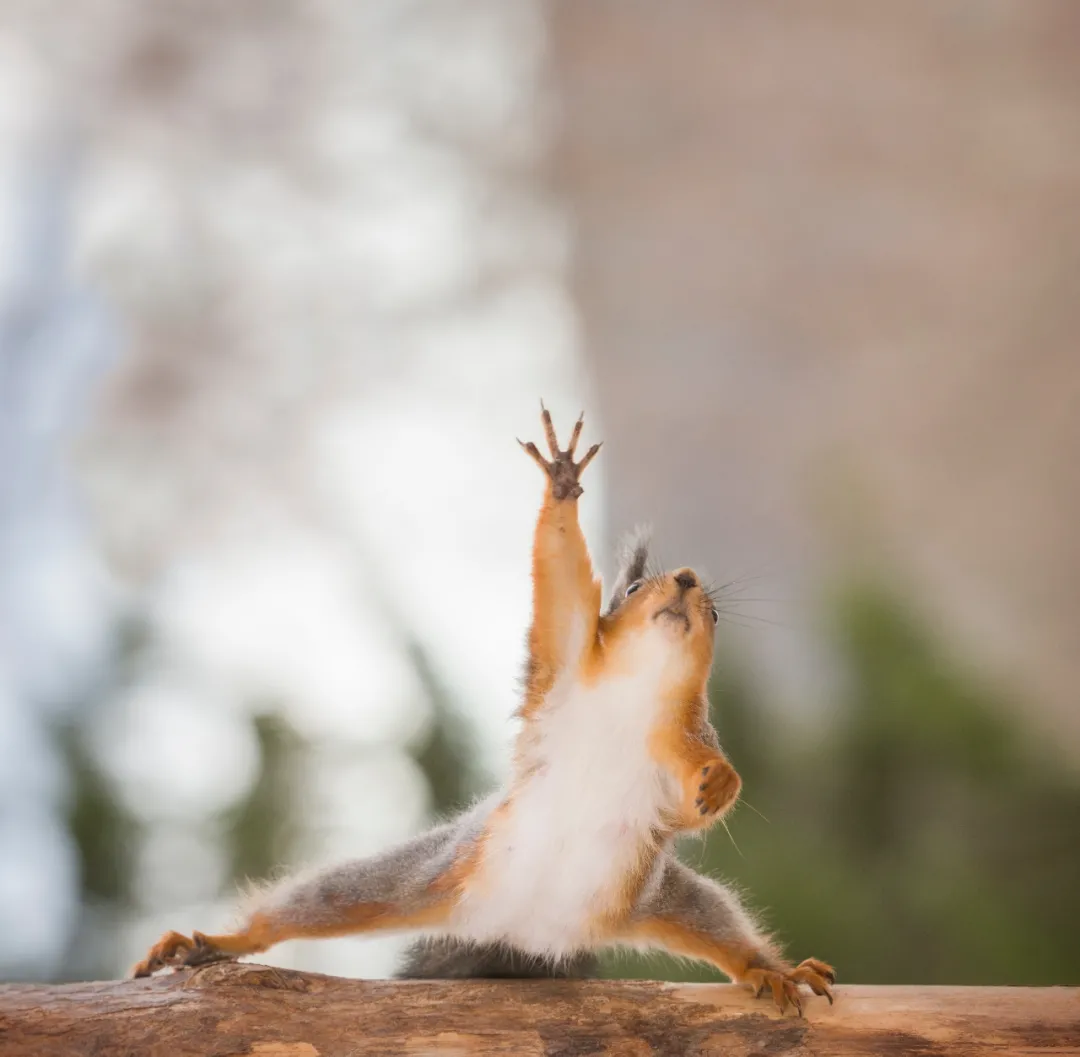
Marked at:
<point>558,857</point>
<point>549,896</point>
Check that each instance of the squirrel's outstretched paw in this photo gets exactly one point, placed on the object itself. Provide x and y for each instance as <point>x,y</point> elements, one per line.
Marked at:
<point>784,985</point>
<point>562,471</point>
<point>178,951</point>
<point>167,951</point>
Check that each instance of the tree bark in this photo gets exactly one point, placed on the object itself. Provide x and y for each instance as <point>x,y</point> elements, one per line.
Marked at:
<point>226,1010</point>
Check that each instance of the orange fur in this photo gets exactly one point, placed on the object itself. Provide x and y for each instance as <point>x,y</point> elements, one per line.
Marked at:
<point>610,918</point>
<point>569,639</point>
<point>757,968</point>
<point>566,616</point>
<point>467,866</point>
<point>264,931</point>
<point>705,776</point>
<point>681,939</point>
<point>676,743</point>
<point>565,589</point>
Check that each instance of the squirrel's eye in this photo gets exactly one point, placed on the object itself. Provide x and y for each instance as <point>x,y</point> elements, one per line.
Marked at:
<point>632,588</point>
<point>715,616</point>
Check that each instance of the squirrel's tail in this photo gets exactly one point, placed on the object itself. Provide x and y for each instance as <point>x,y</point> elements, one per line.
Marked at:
<point>449,959</point>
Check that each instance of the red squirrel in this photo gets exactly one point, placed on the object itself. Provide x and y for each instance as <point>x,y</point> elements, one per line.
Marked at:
<point>615,758</point>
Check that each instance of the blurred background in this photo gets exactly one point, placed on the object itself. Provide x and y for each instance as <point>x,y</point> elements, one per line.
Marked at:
<point>281,282</point>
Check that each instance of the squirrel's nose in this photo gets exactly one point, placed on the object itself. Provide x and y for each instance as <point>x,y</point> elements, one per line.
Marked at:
<point>686,579</point>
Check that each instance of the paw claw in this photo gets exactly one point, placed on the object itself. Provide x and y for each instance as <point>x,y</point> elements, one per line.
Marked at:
<point>718,790</point>
<point>815,965</point>
<point>571,447</point>
<point>167,951</point>
<point>147,967</point>
<point>589,456</point>
<point>784,984</point>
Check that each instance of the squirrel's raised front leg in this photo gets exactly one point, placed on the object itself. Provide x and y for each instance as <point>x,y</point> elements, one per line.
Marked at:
<point>694,917</point>
<point>708,784</point>
<point>566,592</point>
<point>400,889</point>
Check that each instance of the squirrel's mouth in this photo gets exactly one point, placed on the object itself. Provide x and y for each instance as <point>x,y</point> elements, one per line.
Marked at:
<point>674,612</point>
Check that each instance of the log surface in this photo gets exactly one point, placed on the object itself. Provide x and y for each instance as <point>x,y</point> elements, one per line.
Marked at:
<point>226,1010</point>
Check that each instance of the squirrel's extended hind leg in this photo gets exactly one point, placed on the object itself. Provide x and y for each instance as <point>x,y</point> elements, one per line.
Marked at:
<point>400,889</point>
<point>694,917</point>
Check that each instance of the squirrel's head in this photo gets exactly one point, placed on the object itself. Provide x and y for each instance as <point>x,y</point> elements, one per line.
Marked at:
<point>670,607</point>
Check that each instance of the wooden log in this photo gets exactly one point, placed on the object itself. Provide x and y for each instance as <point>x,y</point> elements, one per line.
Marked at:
<point>226,1010</point>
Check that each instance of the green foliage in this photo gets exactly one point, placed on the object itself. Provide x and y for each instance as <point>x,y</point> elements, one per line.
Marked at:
<point>261,831</point>
<point>446,756</point>
<point>102,829</point>
<point>919,838</point>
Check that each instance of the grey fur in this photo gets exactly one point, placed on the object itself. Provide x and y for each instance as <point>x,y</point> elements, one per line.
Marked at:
<point>707,732</point>
<point>680,895</point>
<point>397,877</point>
<point>633,563</point>
<point>450,959</point>
<point>401,877</point>
<point>674,892</point>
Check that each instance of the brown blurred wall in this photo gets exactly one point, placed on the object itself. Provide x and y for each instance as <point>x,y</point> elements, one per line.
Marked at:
<point>828,270</point>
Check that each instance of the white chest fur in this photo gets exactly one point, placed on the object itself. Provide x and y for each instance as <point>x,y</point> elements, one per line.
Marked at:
<point>557,856</point>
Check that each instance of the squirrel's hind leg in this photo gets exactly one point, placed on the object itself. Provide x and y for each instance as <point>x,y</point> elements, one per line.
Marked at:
<point>694,917</point>
<point>400,889</point>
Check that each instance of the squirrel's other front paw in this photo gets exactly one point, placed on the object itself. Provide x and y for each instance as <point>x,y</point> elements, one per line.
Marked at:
<point>718,785</point>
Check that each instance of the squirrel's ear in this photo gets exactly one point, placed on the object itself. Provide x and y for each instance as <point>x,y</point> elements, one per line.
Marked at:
<point>633,562</point>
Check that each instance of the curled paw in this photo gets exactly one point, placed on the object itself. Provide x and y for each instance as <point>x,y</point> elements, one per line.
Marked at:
<point>783,985</point>
<point>169,950</point>
<point>718,785</point>
<point>817,975</point>
<point>562,471</point>
<point>177,950</point>
<point>784,990</point>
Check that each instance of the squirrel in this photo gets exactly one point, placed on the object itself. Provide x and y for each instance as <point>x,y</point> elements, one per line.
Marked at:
<point>444,958</point>
<point>615,758</point>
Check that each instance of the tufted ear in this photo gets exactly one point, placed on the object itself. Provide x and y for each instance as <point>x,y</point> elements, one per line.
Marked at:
<point>633,562</point>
